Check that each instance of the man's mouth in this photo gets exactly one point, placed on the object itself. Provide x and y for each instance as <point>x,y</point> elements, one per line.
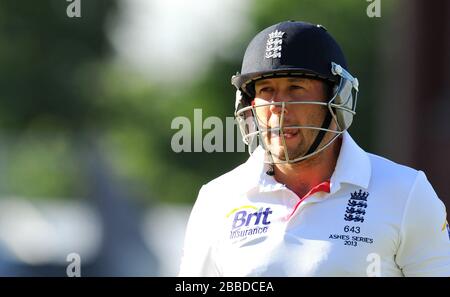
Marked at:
<point>288,133</point>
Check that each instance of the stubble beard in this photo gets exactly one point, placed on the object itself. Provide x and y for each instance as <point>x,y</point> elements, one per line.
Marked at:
<point>294,151</point>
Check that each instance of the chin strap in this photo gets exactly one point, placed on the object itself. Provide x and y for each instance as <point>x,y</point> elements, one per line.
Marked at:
<point>321,135</point>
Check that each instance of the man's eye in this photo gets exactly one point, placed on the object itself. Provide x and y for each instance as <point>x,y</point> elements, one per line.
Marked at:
<point>295,87</point>
<point>265,90</point>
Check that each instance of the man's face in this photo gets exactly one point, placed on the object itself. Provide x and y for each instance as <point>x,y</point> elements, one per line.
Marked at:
<point>275,90</point>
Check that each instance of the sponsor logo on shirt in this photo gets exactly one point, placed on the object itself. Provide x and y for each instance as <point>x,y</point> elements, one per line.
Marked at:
<point>354,213</point>
<point>445,226</point>
<point>249,221</point>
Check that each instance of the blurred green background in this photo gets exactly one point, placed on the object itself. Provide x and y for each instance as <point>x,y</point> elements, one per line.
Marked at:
<point>86,104</point>
<point>60,84</point>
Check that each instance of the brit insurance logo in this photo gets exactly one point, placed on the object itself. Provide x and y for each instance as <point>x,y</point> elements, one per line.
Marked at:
<point>448,231</point>
<point>248,221</point>
<point>356,206</point>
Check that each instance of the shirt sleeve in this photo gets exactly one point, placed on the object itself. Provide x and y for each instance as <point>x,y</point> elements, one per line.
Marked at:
<point>198,259</point>
<point>425,245</point>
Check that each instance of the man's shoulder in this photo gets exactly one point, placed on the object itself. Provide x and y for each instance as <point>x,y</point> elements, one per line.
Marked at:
<point>241,176</point>
<point>391,172</point>
<point>390,166</point>
<point>234,177</point>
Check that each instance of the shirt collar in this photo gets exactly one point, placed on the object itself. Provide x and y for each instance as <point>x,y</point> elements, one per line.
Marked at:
<point>352,167</point>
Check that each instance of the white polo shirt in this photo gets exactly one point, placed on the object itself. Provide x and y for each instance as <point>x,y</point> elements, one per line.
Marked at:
<point>378,219</point>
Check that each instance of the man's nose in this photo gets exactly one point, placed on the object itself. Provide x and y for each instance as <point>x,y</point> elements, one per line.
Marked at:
<point>278,104</point>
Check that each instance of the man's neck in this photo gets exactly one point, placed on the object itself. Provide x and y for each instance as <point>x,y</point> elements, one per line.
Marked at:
<point>300,177</point>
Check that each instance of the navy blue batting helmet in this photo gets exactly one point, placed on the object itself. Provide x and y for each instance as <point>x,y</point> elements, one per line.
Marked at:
<point>295,49</point>
<point>289,48</point>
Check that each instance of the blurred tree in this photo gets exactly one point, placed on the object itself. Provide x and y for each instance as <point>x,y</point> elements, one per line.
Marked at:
<point>347,22</point>
<point>48,75</point>
<point>57,78</point>
<point>48,63</point>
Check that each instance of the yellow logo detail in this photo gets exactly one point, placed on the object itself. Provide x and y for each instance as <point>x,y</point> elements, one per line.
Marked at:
<point>242,207</point>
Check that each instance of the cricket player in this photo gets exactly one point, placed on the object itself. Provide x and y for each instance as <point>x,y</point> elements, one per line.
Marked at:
<point>309,201</point>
